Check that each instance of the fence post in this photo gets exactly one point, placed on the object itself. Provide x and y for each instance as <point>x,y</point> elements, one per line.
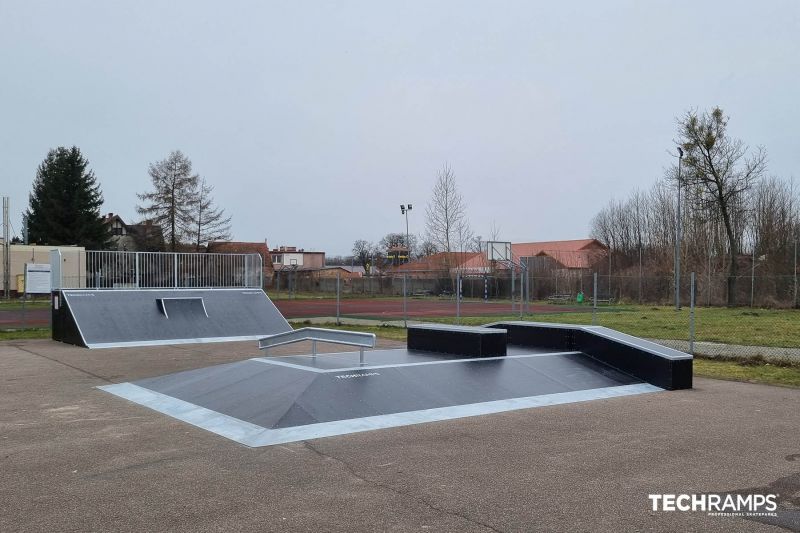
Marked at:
<point>527,288</point>
<point>691,317</point>
<point>753,277</point>
<point>458,298</point>
<point>513,275</point>
<point>521,289</point>
<point>594,301</point>
<point>175,269</point>
<point>405,303</point>
<point>338,319</point>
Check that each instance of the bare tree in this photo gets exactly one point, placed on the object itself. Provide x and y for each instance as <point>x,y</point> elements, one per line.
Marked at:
<point>171,201</point>
<point>720,173</point>
<point>494,231</point>
<point>397,240</point>
<point>362,253</point>
<point>446,224</point>
<point>209,223</point>
<point>425,248</point>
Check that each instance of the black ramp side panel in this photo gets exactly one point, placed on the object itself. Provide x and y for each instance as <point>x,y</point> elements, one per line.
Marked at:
<point>134,317</point>
<point>461,340</point>
<point>648,361</point>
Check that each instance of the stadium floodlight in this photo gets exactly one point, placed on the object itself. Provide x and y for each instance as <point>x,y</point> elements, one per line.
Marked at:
<point>404,211</point>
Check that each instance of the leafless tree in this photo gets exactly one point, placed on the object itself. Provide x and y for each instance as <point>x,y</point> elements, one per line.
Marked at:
<point>720,172</point>
<point>446,223</point>
<point>425,248</point>
<point>209,223</point>
<point>171,201</point>
<point>362,252</point>
<point>395,240</point>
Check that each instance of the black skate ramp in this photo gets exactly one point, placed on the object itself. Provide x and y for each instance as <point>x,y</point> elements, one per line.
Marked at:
<point>147,317</point>
<point>272,400</point>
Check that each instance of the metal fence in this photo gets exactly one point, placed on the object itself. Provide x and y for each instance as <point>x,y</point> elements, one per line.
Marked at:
<point>159,270</point>
<point>642,306</point>
<point>639,305</point>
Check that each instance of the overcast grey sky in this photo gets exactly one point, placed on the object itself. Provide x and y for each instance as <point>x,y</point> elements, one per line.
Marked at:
<point>315,120</point>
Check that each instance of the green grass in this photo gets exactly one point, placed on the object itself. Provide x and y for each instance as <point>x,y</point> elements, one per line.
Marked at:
<point>748,371</point>
<point>751,327</point>
<point>32,333</point>
<point>15,305</point>
<point>752,370</point>
<point>384,332</point>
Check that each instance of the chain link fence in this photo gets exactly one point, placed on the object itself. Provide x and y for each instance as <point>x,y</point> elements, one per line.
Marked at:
<point>644,306</point>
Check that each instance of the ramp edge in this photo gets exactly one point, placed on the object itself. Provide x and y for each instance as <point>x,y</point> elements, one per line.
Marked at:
<point>255,436</point>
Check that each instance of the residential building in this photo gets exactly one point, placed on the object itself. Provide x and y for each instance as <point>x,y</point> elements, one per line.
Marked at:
<point>578,255</point>
<point>144,237</point>
<point>292,258</point>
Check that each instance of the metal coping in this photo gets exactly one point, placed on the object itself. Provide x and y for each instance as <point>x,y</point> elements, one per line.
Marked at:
<point>453,327</point>
<point>601,331</point>
<point>168,342</point>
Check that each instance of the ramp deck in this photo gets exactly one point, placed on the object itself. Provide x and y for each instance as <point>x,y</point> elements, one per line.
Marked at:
<point>272,400</point>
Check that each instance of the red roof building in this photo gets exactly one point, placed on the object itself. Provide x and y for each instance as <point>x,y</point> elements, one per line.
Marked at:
<point>579,254</point>
<point>260,248</point>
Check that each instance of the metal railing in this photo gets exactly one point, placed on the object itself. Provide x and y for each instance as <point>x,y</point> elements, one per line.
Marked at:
<point>334,336</point>
<point>166,270</point>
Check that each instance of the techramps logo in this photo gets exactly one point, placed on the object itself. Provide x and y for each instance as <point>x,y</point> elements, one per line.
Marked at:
<point>776,503</point>
<point>741,505</point>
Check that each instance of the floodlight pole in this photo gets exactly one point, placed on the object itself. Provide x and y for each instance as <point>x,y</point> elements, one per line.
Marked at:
<point>404,210</point>
<point>678,238</point>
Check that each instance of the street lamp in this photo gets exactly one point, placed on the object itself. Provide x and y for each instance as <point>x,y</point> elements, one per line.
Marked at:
<point>404,211</point>
<point>678,238</point>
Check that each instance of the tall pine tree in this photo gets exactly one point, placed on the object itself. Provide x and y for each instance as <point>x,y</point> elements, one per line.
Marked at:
<point>209,222</point>
<point>64,205</point>
<point>171,201</point>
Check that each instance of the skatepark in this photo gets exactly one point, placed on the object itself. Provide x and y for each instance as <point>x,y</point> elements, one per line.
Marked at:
<point>512,426</point>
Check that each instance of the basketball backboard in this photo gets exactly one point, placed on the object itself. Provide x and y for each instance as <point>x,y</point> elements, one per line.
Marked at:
<point>498,250</point>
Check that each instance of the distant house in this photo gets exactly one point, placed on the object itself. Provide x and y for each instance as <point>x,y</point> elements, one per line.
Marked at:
<point>447,264</point>
<point>237,247</point>
<point>144,237</point>
<point>573,256</point>
<point>292,258</point>
<point>567,256</point>
<point>344,272</point>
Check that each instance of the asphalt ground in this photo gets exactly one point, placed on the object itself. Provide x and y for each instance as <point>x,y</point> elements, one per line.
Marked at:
<point>75,458</point>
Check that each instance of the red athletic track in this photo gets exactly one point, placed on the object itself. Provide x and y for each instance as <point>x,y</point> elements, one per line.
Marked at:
<point>12,318</point>
<point>380,308</point>
<point>365,308</point>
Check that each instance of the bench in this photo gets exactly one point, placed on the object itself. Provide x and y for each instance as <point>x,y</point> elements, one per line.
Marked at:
<point>559,298</point>
<point>468,341</point>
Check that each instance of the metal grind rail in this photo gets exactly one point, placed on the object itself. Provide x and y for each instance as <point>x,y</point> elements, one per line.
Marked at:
<point>347,338</point>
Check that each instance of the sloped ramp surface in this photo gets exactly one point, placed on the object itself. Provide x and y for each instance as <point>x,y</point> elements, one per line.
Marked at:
<point>264,401</point>
<point>119,318</point>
